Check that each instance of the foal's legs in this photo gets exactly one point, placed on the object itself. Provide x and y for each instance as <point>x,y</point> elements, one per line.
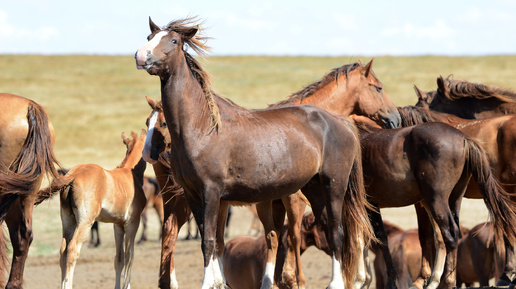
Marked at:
<point>176,212</point>
<point>19,222</point>
<point>119,253</point>
<point>71,247</point>
<point>130,234</point>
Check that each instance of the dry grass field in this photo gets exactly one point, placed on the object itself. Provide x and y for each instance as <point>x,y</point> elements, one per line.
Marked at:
<point>91,99</point>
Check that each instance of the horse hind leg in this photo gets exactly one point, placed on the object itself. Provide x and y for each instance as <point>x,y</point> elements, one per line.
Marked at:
<point>19,222</point>
<point>130,234</point>
<point>70,250</point>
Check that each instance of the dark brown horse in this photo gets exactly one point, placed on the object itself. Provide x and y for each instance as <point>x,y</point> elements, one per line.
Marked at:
<point>497,136</point>
<point>26,156</point>
<point>470,100</point>
<point>245,257</point>
<point>223,152</point>
<point>432,163</point>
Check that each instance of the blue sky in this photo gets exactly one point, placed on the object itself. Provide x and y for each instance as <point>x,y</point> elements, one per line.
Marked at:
<point>316,27</point>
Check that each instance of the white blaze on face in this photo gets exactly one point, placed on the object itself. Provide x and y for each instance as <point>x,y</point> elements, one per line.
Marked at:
<point>148,140</point>
<point>147,49</point>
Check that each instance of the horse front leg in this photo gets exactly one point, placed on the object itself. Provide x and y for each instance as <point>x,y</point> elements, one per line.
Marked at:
<point>130,235</point>
<point>119,254</point>
<point>176,213</point>
<point>221,227</point>
<point>272,221</point>
<point>19,222</point>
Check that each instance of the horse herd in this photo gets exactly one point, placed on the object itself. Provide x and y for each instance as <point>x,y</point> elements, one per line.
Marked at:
<point>339,145</point>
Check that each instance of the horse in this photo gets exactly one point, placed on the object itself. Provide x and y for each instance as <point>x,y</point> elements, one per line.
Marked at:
<point>244,257</point>
<point>497,137</point>
<point>405,250</point>
<point>222,154</point>
<point>90,193</point>
<point>431,164</point>
<point>154,200</point>
<point>470,100</point>
<point>26,157</point>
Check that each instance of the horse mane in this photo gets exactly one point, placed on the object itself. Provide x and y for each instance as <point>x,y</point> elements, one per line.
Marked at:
<point>412,115</point>
<point>181,27</point>
<point>463,89</point>
<point>310,89</point>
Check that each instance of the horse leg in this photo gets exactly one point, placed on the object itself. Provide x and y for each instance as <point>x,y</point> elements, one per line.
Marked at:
<point>270,221</point>
<point>131,228</point>
<point>176,212</point>
<point>71,249</point>
<point>440,255</point>
<point>206,218</point>
<point>376,221</point>
<point>143,238</point>
<point>119,254</point>
<point>94,230</point>
<point>221,227</point>
<point>426,240</point>
<point>295,208</point>
<point>19,222</point>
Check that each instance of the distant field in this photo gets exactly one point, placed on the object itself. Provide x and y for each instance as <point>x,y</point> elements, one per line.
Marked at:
<point>92,99</point>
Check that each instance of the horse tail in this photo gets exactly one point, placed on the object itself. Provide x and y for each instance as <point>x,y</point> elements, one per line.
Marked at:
<point>356,224</point>
<point>60,184</point>
<point>4,261</point>
<point>502,211</point>
<point>36,157</point>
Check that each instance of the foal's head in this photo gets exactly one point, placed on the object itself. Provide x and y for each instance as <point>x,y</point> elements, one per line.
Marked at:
<point>158,137</point>
<point>134,147</point>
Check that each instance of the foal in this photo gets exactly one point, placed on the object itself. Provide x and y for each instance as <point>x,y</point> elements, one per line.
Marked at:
<point>90,193</point>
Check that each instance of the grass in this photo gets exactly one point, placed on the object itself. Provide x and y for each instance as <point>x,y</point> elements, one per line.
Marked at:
<point>91,99</point>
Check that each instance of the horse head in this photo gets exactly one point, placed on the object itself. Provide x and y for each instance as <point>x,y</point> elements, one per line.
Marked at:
<point>158,136</point>
<point>165,47</point>
<point>371,99</point>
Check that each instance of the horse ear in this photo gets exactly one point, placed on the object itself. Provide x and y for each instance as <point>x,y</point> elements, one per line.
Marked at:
<point>190,32</point>
<point>143,133</point>
<point>151,102</point>
<point>442,87</point>
<point>360,62</point>
<point>125,139</point>
<point>368,68</point>
<point>134,135</point>
<point>421,95</point>
<point>153,26</point>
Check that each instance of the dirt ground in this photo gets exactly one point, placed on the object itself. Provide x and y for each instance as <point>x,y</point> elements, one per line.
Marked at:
<point>95,266</point>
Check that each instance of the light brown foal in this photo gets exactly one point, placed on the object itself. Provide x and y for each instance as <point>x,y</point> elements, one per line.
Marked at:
<point>89,193</point>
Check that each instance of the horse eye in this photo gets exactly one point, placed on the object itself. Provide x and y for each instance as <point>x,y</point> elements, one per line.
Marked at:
<point>164,124</point>
<point>174,41</point>
<point>379,88</point>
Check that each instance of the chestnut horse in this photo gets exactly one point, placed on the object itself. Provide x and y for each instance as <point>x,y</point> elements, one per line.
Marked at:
<point>470,100</point>
<point>245,257</point>
<point>26,156</point>
<point>223,152</point>
<point>90,193</point>
<point>432,163</point>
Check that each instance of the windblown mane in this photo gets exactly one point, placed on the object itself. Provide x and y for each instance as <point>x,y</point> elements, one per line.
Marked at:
<point>312,88</point>
<point>463,89</point>
<point>181,26</point>
<point>412,115</point>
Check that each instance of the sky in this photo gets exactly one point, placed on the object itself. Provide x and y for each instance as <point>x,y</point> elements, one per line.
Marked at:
<point>240,27</point>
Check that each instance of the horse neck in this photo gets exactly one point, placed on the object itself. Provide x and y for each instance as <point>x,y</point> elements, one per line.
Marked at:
<point>184,104</point>
<point>134,158</point>
<point>334,97</point>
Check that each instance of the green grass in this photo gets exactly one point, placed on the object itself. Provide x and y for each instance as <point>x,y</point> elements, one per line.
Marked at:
<point>91,99</point>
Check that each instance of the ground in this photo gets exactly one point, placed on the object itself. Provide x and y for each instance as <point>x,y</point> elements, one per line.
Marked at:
<point>95,266</point>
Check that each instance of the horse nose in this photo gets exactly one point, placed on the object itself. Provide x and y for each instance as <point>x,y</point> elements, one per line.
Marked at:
<point>393,122</point>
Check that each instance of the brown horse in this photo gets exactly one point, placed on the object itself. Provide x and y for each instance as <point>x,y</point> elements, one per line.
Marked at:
<point>90,193</point>
<point>26,156</point>
<point>405,250</point>
<point>225,152</point>
<point>245,257</point>
<point>497,136</point>
<point>154,200</point>
<point>432,163</point>
<point>470,100</point>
